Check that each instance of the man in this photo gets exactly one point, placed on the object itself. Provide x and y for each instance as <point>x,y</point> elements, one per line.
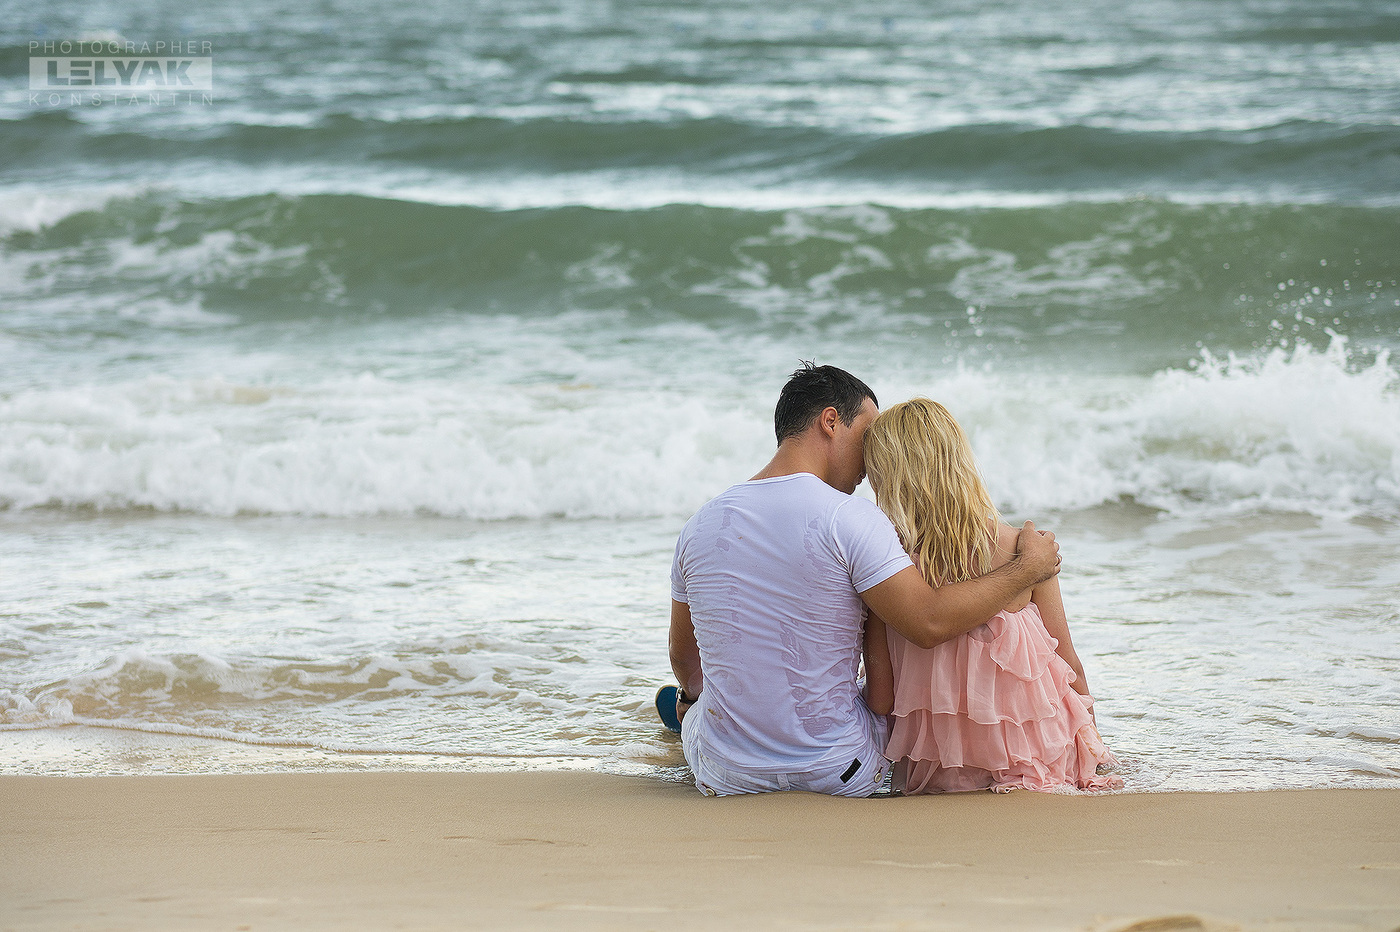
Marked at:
<point>769,586</point>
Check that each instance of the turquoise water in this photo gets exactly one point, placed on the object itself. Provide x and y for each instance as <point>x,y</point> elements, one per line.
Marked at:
<point>348,420</point>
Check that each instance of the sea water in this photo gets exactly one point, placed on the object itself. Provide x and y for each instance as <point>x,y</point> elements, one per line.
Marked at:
<point>348,419</point>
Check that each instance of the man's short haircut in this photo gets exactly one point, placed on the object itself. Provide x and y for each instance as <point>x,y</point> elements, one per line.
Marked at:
<point>811,390</point>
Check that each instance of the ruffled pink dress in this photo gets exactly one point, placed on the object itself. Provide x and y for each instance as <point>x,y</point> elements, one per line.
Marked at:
<point>992,709</point>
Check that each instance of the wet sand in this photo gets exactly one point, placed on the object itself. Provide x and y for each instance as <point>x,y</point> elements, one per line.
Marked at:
<point>582,850</point>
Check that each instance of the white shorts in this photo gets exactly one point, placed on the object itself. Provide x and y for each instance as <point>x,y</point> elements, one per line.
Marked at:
<point>862,775</point>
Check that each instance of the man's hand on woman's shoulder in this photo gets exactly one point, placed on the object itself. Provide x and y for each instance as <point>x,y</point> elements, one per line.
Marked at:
<point>1037,553</point>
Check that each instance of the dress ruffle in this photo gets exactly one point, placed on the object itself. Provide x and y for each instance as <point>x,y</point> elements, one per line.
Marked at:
<point>993,709</point>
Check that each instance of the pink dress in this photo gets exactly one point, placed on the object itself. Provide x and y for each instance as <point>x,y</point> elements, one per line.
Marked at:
<point>992,709</point>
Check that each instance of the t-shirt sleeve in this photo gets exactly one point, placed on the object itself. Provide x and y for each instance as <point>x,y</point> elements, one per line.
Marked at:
<point>867,543</point>
<point>677,580</point>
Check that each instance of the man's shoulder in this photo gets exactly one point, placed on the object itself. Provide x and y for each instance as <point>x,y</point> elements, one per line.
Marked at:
<point>728,496</point>
<point>802,492</point>
<point>775,489</point>
<point>698,518</point>
<point>858,510</point>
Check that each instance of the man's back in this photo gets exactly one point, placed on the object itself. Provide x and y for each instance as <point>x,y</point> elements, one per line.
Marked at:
<point>771,570</point>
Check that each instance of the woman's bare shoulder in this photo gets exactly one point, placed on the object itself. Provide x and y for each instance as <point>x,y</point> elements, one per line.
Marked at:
<point>1005,542</point>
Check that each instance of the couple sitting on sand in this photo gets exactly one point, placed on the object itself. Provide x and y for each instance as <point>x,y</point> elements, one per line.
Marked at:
<point>779,583</point>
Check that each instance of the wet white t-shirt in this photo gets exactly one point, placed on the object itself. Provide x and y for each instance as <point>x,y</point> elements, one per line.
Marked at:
<point>772,570</point>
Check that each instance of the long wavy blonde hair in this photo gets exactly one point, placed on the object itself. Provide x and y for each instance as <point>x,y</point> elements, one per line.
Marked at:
<point>925,478</point>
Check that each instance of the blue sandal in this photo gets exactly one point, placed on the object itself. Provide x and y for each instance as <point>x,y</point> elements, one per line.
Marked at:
<point>666,699</point>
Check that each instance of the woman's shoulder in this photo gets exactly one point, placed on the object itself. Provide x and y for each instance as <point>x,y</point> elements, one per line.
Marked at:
<point>1004,538</point>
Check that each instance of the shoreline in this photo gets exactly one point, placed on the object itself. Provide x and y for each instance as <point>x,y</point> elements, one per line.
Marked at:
<point>97,748</point>
<point>587,850</point>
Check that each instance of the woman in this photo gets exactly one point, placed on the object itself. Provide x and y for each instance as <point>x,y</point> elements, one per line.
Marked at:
<point>1005,705</point>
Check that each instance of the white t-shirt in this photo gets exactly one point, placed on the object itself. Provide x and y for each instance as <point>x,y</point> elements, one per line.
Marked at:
<point>772,569</point>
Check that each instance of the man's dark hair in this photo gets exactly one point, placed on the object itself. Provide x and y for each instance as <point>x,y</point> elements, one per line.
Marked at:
<point>811,390</point>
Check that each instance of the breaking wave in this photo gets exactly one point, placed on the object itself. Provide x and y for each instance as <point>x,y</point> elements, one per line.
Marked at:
<point>1304,429</point>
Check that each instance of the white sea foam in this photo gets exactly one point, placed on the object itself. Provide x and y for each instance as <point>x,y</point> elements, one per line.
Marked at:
<point>1300,429</point>
<point>33,207</point>
<point>20,711</point>
<point>366,446</point>
<point>604,189</point>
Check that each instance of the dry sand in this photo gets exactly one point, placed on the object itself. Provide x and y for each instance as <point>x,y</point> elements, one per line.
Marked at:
<point>573,850</point>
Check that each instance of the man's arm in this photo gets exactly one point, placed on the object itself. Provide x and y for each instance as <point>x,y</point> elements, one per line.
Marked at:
<point>927,617</point>
<point>685,653</point>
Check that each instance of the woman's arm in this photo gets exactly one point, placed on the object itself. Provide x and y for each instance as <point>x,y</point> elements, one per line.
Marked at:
<point>879,671</point>
<point>1046,597</point>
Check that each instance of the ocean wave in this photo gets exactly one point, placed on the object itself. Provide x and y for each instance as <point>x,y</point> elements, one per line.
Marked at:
<point>1177,267</point>
<point>456,697</point>
<point>367,445</point>
<point>138,683</point>
<point>1302,154</point>
<point>1297,429</point>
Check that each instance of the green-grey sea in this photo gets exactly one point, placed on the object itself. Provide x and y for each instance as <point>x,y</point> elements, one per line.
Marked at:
<point>349,411</point>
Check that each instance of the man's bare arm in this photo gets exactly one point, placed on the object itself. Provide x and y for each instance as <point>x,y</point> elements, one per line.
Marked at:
<point>685,653</point>
<point>927,617</point>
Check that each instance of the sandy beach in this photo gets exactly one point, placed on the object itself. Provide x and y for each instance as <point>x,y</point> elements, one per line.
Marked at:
<point>574,850</point>
<point>353,405</point>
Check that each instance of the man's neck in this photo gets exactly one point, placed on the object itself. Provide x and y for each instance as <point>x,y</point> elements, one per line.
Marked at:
<point>793,458</point>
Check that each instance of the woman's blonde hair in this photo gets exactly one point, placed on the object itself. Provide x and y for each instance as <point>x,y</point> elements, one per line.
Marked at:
<point>925,478</point>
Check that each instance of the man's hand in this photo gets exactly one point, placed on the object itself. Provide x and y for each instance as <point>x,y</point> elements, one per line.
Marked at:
<point>683,703</point>
<point>1037,553</point>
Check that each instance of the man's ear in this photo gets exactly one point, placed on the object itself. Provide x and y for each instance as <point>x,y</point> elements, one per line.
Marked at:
<point>828,420</point>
